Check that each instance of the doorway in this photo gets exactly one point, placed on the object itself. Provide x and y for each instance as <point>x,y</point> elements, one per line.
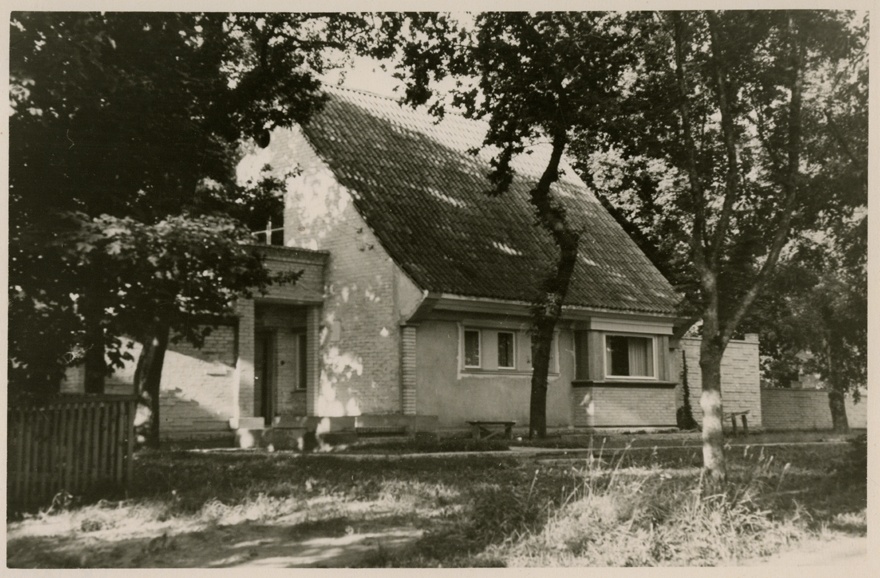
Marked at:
<point>265,392</point>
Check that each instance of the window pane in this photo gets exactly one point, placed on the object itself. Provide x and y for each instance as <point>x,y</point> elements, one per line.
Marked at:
<point>629,356</point>
<point>505,350</point>
<point>472,348</point>
<point>616,355</point>
<point>641,358</point>
<point>581,355</point>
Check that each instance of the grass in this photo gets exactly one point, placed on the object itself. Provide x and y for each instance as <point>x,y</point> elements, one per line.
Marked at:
<point>641,508</point>
<point>429,445</point>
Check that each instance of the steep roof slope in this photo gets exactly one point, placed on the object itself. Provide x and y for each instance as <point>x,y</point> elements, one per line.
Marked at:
<point>425,198</point>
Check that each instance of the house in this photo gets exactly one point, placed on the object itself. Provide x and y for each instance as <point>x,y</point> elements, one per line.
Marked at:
<point>413,308</point>
<point>428,282</point>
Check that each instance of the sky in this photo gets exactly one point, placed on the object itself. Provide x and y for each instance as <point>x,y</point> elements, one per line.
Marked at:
<point>365,74</point>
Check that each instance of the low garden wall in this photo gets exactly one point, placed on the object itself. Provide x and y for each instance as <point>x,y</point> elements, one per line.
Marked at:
<point>740,379</point>
<point>796,409</point>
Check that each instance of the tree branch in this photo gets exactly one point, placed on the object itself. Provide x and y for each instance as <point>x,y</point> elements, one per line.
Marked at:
<point>696,186</point>
<point>842,142</point>
<point>790,186</point>
<point>731,186</point>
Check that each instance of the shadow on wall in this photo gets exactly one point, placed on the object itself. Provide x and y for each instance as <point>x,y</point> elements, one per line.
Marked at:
<point>197,385</point>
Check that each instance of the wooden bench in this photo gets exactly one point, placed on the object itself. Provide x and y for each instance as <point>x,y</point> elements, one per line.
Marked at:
<point>733,415</point>
<point>481,429</point>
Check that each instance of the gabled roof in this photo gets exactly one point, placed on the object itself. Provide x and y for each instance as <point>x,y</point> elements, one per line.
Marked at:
<point>424,196</point>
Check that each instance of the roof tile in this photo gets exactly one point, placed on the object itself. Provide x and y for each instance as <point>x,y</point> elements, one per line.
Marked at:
<point>424,196</point>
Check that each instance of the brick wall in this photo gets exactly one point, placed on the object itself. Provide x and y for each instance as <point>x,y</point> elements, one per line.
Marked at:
<point>740,378</point>
<point>623,406</point>
<point>360,337</point>
<point>794,409</point>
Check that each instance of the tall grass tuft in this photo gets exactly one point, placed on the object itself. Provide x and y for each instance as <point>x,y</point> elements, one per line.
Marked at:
<point>626,517</point>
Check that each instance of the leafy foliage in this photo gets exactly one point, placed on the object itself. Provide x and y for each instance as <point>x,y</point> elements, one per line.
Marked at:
<point>124,135</point>
<point>726,150</point>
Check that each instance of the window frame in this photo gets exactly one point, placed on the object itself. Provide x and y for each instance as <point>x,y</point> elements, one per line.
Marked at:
<point>512,334</point>
<point>606,369</point>
<point>464,361</point>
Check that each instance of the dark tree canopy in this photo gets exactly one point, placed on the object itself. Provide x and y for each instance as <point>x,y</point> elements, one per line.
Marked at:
<point>729,149</point>
<point>124,136</point>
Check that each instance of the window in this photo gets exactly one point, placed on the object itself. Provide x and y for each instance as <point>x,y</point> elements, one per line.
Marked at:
<point>629,356</point>
<point>506,350</point>
<point>581,355</point>
<point>471,348</point>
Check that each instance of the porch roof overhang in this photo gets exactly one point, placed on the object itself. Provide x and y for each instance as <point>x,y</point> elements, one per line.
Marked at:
<point>309,287</point>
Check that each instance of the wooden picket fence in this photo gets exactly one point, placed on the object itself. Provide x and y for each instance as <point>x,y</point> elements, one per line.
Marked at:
<point>70,444</point>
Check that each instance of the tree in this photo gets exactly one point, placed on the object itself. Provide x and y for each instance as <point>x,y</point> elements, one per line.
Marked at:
<point>124,136</point>
<point>544,76</point>
<point>725,140</point>
<point>814,317</point>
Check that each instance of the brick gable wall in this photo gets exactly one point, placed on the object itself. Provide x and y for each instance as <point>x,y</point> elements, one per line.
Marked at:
<point>360,341</point>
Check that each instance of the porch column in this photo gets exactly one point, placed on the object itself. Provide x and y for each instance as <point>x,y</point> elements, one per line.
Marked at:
<point>313,356</point>
<point>245,362</point>
<point>408,369</point>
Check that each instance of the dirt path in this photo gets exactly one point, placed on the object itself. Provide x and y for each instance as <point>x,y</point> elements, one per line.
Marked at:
<point>840,552</point>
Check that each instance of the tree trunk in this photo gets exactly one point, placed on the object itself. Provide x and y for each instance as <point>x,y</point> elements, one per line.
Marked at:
<point>836,401</point>
<point>714,467</point>
<point>148,375</point>
<point>538,400</point>
<point>837,393</point>
<point>541,345</point>
<point>551,215</point>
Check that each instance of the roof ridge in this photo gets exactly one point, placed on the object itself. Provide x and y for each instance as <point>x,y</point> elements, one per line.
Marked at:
<point>358,90</point>
<point>421,110</point>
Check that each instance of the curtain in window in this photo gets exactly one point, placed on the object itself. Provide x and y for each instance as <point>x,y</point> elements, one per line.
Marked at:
<point>641,358</point>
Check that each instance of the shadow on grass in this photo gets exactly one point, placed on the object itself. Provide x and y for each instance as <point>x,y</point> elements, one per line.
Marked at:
<point>335,542</point>
<point>473,509</point>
